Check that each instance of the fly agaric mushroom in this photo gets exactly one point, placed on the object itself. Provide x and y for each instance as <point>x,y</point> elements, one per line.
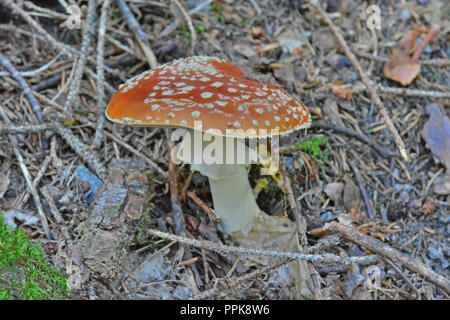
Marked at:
<point>224,98</point>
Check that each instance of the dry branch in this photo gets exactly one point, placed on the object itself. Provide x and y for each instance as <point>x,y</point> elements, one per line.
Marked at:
<point>326,258</point>
<point>101,105</point>
<point>387,251</point>
<point>140,36</point>
<point>370,87</point>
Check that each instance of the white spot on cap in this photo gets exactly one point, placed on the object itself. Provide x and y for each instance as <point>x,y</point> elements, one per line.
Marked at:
<point>232,90</point>
<point>183,123</point>
<point>277,118</point>
<point>195,114</point>
<point>242,85</point>
<point>167,93</point>
<point>235,124</point>
<point>255,123</point>
<point>267,122</point>
<point>217,84</point>
<point>204,79</point>
<point>222,103</point>
<point>171,115</point>
<point>155,107</point>
<point>206,95</point>
<point>259,110</point>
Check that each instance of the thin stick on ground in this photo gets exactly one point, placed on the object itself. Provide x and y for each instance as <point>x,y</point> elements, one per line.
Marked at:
<point>80,148</point>
<point>36,180</point>
<point>405,92</point>
<point>177,212</point>
<point>27,177</point>
<point>326,258</point>
<point>188,20</point>
<point>382,151</point>
<point>140,36</point>
<point>362,188</point>
<point>55,212</point>
<point>71,100</point>
<point>370,87</point>
<point>225,285</point>
<point>202,205</point>
<point>387,251</point>
<point>101,105</point>
<point>403,276</point>
<point>25,129</point>
<point>300,228</point>
<point>23,85</point>
<point>175,202</point>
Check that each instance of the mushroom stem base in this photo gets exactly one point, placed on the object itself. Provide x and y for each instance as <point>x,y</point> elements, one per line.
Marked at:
<point>234,202</point>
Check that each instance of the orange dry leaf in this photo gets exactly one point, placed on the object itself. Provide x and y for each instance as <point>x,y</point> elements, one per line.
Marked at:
<point>257,32</point>
<point>428,207</point>
<point>402,66</point>
<point>341,91</point>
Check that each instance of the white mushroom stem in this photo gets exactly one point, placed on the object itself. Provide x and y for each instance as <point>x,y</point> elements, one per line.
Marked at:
<point>234,202</point>
<point>232,195</point>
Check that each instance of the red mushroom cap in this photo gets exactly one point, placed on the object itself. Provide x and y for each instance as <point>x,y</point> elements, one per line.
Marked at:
<point>210,90</point>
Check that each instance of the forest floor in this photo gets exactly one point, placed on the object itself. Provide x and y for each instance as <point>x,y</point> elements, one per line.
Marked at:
<point>92,202</point>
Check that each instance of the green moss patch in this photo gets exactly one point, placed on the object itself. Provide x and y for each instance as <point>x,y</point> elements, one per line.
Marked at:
<point>23,273</point>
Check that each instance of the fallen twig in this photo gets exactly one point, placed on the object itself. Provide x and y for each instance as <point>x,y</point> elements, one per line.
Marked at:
<point>387,251</point>
<point>224,285</point>
<point>439,63</point>
<point>27,177</point>
<point>382,151</point>
<point>303,245</point>
<point>23,85</point>
<point>202,205</point>
<point>186,17</point>
<point>405,92</point>
<point>35,72</point>
<point>362,188</point>
<point>25,129</point>
<point>140,36</point>
<point>326,258</point>
<point>101,105</point>
<point>370,87</point>
<point>36,180</point>
<point>403,276</point>
<point>81,149</point>
<point>71,100</point>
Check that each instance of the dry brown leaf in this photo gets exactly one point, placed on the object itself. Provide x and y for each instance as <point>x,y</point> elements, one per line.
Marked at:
<point>352,199</point>
<point>341,91</point>
<point>436,133</point>
<point>403,67</point>
<point>257,32</point>
<point>428,207</point>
